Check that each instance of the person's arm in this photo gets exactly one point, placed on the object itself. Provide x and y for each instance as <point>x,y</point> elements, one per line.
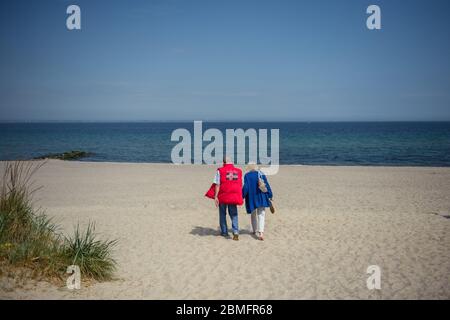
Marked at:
<point>216,190</point>
<point>269,189</point>
<point>245,188</point>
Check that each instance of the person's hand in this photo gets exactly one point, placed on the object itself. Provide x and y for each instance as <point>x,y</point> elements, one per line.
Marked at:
<point>216,201</point>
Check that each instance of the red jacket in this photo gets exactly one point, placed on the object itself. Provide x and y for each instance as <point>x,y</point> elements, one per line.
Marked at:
<point>230,190</point>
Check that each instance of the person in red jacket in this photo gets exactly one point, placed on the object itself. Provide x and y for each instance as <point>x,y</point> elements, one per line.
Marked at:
<point>228,195</point>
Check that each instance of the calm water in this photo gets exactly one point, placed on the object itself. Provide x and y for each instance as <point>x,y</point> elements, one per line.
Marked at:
<point>375,143</point>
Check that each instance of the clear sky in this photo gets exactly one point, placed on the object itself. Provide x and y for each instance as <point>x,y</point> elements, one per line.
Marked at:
<point>224,60</point>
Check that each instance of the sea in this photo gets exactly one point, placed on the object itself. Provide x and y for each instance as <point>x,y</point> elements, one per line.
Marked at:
<point>305,143</point>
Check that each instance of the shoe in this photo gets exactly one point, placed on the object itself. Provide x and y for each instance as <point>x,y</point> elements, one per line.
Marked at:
<point>235,237</point>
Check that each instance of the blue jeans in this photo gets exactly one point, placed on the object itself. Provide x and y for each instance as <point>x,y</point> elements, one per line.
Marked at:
<point>233,212</point>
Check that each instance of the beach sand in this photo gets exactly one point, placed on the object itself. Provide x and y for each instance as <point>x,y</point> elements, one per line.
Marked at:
<point>331,224</point>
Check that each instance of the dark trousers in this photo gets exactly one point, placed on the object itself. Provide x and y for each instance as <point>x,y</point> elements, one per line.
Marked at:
<point>233,212</point>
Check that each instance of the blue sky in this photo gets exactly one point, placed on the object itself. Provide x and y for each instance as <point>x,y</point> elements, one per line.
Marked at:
<point>224,60</point>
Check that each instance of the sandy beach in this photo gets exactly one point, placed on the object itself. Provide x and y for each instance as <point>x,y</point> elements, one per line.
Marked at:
<point>331,224</point>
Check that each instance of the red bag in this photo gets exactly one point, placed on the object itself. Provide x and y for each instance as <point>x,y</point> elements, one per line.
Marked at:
<point>211,192</point>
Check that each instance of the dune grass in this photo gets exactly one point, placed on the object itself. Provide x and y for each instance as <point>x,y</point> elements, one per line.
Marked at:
<point>91,255</point>
<point>30,239</point>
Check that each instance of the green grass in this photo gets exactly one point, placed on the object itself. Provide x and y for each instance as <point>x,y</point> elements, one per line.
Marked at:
<point>30,239</point>
<point>91,255</point>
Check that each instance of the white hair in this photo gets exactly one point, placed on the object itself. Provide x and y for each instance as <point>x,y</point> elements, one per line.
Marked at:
<point>251,166</point>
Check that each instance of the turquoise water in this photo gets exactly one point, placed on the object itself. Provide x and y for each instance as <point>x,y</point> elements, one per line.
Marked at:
<point>344,143</point>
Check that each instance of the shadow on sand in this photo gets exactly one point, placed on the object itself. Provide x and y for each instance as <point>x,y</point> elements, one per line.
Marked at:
<point>206,231</point>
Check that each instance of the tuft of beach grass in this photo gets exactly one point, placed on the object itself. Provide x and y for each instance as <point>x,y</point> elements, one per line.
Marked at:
<point>30,239</point>
<point>93,256</point>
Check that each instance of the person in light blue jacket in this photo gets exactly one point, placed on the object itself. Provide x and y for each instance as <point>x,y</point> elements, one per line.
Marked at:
<point>256,200</point>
